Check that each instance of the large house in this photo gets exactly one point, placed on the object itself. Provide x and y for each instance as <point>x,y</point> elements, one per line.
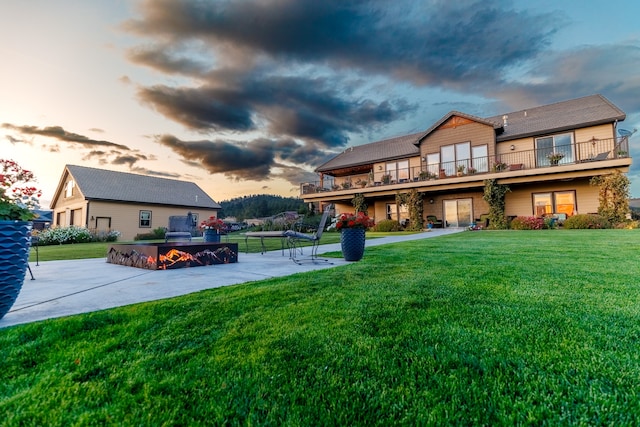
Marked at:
<point>132,204</point>
<point>546,155</point>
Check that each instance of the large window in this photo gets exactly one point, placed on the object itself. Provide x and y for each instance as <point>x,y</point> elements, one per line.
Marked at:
<point>554,202</point>
<point>561,144</point>
<point>399,171</point>
<point>458,213</point>
<point>455,157</point>
<point>480,158</point>
<point>145,219</point>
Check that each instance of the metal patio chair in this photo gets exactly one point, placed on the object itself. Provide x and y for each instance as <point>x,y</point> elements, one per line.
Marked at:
<point>296,238</point>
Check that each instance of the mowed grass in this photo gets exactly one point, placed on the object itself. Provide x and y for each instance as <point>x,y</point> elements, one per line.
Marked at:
<point>476,328</point>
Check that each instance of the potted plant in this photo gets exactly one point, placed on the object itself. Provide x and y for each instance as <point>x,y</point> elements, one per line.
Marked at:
<point>386,179</point>
<point>471,171</point>
<point>461,169</point>
<point>499,166</point>
<point>211,228</point>
<point>424,175</point>
<point>352,229</point>
<point>17,202</point>
<point>554,157</point>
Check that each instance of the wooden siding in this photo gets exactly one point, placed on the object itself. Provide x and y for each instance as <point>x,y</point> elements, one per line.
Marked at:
<point>125,216</point>
<point>476,133</point>
<point>519,202</point>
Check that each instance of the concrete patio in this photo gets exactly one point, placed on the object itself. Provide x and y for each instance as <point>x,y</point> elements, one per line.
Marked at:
<point>64,288</point>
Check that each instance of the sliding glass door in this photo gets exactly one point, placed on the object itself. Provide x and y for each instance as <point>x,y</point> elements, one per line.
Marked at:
<point>458,213</point>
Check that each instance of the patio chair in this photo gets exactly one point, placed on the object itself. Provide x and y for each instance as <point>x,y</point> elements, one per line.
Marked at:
<point>296,238</point>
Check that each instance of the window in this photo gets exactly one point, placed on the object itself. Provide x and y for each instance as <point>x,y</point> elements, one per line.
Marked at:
<point>454,156</point>
<point>68,192</point>
<point>561,144</point>
<point>145,219</point>
<point>480,158</point>
<point>554,202</point>
<point>399,171</point>
<point>392,211</point>
<point>433,164</point>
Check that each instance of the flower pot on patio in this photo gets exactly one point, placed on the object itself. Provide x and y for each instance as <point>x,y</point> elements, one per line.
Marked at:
<point>14,257</point>
<point>352,243</point>
<point>211,236</point>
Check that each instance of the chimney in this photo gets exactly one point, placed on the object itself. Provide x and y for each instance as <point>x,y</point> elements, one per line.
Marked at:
<point>504,120</point>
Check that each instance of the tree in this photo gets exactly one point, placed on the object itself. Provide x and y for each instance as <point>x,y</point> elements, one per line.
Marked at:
<point>494,195</point>
<point>413,201</point>
<point>613,196</point>
<point>359,203</point>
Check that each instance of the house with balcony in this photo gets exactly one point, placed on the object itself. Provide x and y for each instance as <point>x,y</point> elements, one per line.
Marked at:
<point>546,155</point>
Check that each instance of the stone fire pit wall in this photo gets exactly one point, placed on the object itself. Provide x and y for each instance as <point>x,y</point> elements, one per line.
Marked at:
<point>164,256</point>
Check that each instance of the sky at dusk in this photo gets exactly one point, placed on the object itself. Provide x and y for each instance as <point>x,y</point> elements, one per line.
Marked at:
<point>249,96</point>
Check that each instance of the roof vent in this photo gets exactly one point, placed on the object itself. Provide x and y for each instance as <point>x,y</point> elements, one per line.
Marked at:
<point>504,120</point>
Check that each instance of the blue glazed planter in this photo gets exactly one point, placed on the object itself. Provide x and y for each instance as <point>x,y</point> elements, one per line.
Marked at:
<point>211,236</point>
<point>352,242</point>
<point>15,241</point>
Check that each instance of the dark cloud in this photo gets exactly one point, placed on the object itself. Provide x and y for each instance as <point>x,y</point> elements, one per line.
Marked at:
<point>166,60</point>
<point>200,108</point>
<point>311,109</point>
<point>425,42</point>
<point>57,132</point>
<point>303,69</point>
<point>246,160</point>
<point>254,160</point>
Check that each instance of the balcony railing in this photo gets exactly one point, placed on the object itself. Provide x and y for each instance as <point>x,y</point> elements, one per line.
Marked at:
<point>581,152</point>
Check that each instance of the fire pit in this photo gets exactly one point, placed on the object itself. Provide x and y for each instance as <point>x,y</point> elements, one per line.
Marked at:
<point>164,256</point>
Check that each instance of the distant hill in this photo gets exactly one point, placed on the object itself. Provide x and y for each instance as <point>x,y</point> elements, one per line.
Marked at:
<point>259,206</point>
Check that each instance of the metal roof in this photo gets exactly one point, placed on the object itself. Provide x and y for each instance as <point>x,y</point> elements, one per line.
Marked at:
<point>580,112</point>
<point>101,184</point>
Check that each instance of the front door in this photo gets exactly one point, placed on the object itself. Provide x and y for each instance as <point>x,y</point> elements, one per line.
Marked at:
<point>458,213</point>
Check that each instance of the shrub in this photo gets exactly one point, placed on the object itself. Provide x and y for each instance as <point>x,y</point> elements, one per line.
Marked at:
<point>628,225</point>
<point>586,221</point>
<point>387,225</point>
<point>65,235</point>
<point>527,223</point>
<point>156,234</point>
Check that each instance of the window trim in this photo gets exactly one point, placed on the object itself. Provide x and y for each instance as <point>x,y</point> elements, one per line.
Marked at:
<point>140,219</point>
<point>554,202</point>
<point>567,149</point>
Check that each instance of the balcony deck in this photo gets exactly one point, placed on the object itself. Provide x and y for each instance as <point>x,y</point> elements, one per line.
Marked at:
<point>580,159</point>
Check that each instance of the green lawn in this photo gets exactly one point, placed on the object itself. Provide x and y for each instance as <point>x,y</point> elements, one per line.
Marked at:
<point>475,328</point>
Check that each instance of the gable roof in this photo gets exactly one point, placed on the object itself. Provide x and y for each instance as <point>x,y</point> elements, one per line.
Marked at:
<point>566,115</point>
<point>388,149</point>
<point>105,185</point>
<point>436,125</point>
<point>586,111</point>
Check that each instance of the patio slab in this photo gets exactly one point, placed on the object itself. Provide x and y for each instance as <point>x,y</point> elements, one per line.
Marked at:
<point>64,288</point>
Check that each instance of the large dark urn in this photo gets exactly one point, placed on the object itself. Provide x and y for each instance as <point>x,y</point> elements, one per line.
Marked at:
<point>211,236</point>
<point>15,240</point>
<point>352,242</point>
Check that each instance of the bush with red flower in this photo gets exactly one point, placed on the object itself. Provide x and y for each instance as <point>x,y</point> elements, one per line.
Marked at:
<point>213,223</point>
<point>17,200</point>
<point>350,220</point>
